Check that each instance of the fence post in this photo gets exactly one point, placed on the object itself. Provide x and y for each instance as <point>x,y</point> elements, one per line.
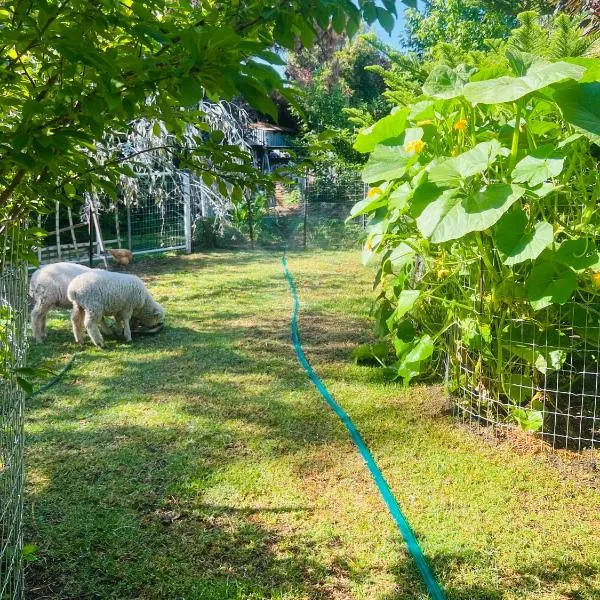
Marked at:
<point>304,225</point>
<point>187,212</point>
<point>128,205</point>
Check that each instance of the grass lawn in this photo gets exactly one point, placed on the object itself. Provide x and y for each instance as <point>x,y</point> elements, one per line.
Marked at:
<point>202,464</point>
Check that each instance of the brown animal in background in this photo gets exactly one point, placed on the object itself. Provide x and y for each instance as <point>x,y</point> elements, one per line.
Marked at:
<point>122,257</point>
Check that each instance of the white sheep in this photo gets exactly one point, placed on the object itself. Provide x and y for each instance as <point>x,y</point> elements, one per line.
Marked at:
<point>48,289</point>
<point>96,294</point>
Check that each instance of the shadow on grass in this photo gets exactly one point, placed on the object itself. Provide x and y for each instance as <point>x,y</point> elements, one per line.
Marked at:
<point>117,510</point>
<point>110,524</point>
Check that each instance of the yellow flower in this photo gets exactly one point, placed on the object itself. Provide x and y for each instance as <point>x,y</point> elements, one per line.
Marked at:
<point>414,146</point>
<point>460,125</point>
<point>374,192</point>
<point>596,279</point>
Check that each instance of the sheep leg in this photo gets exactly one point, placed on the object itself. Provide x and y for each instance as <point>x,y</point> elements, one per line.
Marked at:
<point>77,318</point>
<point>119,326</point>
<point>123,324</point>
<point>38,322</point>
<point>125,318</point>
<point>91,324</point>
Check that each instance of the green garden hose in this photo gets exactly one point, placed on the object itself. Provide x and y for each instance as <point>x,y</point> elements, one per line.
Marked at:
<point>435,590</point>
<point>55,379</point>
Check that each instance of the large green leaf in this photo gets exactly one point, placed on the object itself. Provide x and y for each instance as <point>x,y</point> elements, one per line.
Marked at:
<point>518,388</point>
<point>516,242</point>
<point>390,127</point>
<point>550,283</point>
<point>453,215</point>
<point>401,256</point>
<point>406,300</point>
<point>387,162</point>
<point>367,205</point>
<point>592,66</point>
<point>409,366</point>
<point>580,107</point>
<point>400,197</point>
<point>509,89</point>
<point>529,419</point>
<point>454,170</point>
<point>542,164</point>
<point>445,82</point>
<point>579,254</point>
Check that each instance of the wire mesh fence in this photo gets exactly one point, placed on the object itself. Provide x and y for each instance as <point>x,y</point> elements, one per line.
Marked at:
<point>306,214</point>
<point>13,347</point>
<point>154,221</point>
<point>542,373</point>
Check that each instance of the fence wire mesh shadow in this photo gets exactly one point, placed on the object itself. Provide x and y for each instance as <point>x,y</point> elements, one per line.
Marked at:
<point>546,376</point>
<point>13,347</point>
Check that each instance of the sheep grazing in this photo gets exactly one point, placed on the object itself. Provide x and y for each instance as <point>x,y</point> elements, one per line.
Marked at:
<point>96,294</point>
<point>48,289</point>
<point>122,257</point>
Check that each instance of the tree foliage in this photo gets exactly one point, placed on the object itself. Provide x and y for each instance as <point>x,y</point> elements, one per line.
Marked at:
<point>73,70</point>
<point>465,24</point>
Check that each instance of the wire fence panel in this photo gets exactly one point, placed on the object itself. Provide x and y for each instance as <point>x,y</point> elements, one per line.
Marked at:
<point>156,219</point>
<point>546,377</point>
<point>153,221</point>
<point>311,213</point>
<point>13,340</point>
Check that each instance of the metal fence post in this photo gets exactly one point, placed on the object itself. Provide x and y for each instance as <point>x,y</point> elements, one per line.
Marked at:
<point>187,212</point>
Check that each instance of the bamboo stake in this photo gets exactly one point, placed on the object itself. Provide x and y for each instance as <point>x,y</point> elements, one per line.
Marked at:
<point>118,228</point>
<point>39,248</point>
